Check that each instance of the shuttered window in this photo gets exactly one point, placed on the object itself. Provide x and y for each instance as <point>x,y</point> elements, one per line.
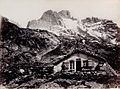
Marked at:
<point>72,65</point>
<point>65,66</point>
<point>90,63</point>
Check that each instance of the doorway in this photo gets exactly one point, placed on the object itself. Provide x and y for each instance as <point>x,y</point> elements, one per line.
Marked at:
<point>78,65</point>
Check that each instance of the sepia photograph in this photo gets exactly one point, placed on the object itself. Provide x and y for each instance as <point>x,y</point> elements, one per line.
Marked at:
<point>65,44</point>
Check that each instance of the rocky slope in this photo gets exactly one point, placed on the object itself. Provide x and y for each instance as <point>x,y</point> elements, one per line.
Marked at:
<point>15,39</point>
<point>23,47</point>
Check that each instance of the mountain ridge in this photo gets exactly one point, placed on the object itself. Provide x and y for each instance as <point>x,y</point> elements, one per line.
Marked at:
<point>66,25</point>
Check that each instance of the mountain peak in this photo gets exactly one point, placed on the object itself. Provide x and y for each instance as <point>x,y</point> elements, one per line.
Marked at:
<point>50,15</point>
<point>49,11</point>
<point>62,13</point>
<point>50,19</point>
<point>65,13</point>
<point>91,20</point>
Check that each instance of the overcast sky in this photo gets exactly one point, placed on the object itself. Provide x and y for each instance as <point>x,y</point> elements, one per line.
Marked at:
<point>22,11</point>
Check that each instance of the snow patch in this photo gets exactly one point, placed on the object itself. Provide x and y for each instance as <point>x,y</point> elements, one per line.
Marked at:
<point>70,24</point>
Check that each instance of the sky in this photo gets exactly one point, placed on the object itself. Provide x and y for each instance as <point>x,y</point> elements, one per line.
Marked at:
<point>22,11</point>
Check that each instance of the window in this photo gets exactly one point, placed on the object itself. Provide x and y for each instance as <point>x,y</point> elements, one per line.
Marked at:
<point>65,66</point>
<point>72,65</point>
<point>90,63</point>
<point>85,63</point>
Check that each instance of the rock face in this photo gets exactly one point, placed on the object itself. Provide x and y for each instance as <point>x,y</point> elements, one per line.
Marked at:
<point>48,19</point>
<point>59,23</point>
<point>65,14</point>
